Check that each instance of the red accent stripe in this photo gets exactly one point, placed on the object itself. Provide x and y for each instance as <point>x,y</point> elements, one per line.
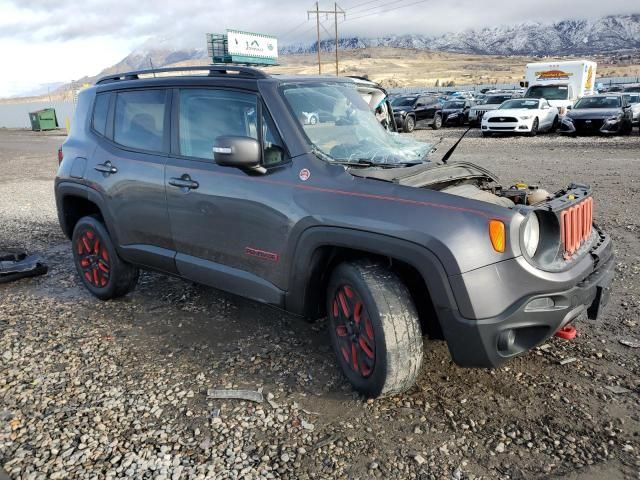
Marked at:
<point>364,195</point>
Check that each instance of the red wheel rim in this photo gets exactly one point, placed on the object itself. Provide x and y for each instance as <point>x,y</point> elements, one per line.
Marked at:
<point>353,331</point>
<point>93,259</point>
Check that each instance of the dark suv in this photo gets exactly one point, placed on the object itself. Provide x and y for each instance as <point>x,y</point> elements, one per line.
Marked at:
<point>411,111</point>
<point>218,179</point>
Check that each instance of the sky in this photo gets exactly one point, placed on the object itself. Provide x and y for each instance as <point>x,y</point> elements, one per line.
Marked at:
<point>44,41</point>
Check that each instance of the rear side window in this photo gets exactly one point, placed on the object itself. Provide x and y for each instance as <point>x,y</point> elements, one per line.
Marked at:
<point>206,114</point>
<point>100,113</point>
<point>139,119</point>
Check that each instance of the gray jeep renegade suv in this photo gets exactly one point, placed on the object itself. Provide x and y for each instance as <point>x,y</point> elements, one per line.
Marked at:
<point>220,179</point>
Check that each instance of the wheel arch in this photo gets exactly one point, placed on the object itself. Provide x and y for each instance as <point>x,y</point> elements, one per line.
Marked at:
<point>320,249</point>
<point>76,201</point>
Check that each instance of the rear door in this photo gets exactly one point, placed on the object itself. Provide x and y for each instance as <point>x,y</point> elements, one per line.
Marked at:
<point>228,225</point>
<point>128,169</point>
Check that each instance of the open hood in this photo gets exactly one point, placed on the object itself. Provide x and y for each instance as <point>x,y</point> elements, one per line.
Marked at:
<point>428,174</point>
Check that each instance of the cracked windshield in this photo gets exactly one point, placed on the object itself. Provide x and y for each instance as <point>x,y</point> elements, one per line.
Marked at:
<point>342,127</point>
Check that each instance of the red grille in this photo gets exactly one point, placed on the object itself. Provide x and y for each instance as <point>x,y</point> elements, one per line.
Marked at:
<point>575,226</point>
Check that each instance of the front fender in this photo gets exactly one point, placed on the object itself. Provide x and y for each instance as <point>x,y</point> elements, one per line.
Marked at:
<point>311,241</point>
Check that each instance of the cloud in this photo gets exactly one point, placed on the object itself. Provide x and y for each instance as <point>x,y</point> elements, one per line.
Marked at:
<point>186,21</point>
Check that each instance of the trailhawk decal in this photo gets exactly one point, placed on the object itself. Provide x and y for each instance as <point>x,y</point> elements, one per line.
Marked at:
<point>262,254</point>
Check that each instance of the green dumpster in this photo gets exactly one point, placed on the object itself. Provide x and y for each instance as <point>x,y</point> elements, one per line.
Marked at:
<point>44,119</point>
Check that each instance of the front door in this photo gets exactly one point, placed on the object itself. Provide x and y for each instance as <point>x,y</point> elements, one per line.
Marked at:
<point>228,225</point>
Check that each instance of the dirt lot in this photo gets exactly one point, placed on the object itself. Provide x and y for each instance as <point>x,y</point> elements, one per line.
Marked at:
<point>119,389</point>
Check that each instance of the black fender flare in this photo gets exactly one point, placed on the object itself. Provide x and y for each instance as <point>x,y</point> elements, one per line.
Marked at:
<point>71,189</point>
<point>306,259</point>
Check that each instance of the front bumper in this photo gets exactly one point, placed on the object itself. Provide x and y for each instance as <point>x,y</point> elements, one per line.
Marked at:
<point>590,126</point>
<point>521,126</point>
<point>533,318</point>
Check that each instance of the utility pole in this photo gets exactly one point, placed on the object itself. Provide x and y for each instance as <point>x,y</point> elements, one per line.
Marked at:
<point>336,11</point>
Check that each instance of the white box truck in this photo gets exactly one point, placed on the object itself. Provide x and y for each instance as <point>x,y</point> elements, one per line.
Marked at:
<point>560,83</point>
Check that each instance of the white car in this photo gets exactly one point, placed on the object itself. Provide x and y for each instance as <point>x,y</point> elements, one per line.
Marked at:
<point>521,115</point>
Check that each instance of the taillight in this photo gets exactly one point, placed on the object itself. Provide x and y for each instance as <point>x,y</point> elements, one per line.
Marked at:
<point>60,155</point>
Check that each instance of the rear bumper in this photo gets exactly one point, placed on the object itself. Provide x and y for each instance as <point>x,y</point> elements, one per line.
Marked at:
<point>528,322</point>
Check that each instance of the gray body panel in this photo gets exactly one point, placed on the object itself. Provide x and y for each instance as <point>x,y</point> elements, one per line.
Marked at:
<point>257,235</point>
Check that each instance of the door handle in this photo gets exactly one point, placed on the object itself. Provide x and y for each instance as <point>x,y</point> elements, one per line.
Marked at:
<point>184,182</point>
<point>106,167</point>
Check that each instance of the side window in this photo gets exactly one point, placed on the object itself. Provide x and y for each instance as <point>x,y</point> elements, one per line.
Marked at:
<point>206,114</point>
<point>139,119</point>
<point>100,113</point>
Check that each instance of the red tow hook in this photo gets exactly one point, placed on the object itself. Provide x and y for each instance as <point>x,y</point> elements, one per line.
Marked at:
<point>568,333</point>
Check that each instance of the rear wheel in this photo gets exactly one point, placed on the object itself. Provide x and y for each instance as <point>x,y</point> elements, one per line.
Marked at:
<point>554,125</point>
<point>374,327</point>
<point>101,270</point>
<point>409,124</point>
<point>437,122</point>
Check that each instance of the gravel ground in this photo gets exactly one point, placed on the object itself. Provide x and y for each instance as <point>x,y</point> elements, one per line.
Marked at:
<point>118,389</point>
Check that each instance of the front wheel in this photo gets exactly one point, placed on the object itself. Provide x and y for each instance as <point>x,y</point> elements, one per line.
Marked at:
<point>409,124</point>
<point>437,122</point>
<point>101,270</point>
<point>534,128</point>
<point>374,328</point>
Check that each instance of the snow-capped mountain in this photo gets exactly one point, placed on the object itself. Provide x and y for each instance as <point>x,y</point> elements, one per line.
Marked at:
<point>568,37</point>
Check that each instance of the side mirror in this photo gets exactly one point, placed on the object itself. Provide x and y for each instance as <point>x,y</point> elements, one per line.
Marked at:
<point>545,107</point>
<point>569,107</point>
<point>236,151</point>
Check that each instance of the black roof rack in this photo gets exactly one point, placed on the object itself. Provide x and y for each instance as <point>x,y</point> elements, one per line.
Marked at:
<point>214,70</point>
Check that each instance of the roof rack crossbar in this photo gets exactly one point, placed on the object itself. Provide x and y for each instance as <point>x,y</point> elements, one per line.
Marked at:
<point>214,70</point>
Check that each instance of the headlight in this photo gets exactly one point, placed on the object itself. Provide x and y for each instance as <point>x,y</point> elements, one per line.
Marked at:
<point>531,236</point>
<point>613,119</point>
<point>451,115</point>
<point>525,117</point>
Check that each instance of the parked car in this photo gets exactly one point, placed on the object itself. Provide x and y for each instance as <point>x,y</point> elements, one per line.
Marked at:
<point>411,111</point>
<point>599,114</point>
<point>521,115</point>
<point>633,99</point>
<point>490,102</point>
<point>378,100</point>
<point>216,179</point>
<point>456,112</point>
<point>632,88</point>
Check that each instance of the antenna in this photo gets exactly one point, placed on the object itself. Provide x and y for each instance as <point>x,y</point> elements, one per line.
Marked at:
<point>455,145</point>
<point>151,63</point>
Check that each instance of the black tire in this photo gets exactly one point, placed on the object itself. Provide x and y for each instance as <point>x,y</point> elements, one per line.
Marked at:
<point>534,127</point>
<point>101,270</point>
<point>409,124</point>
<point>554,125</point>
<point>486,134</point>
<point>389,360</point>
<point>437,122</point>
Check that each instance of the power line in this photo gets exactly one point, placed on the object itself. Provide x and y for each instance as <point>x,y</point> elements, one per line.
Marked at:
<point>288,32</point>
<point>384,11</point>
<point>359,5</point>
